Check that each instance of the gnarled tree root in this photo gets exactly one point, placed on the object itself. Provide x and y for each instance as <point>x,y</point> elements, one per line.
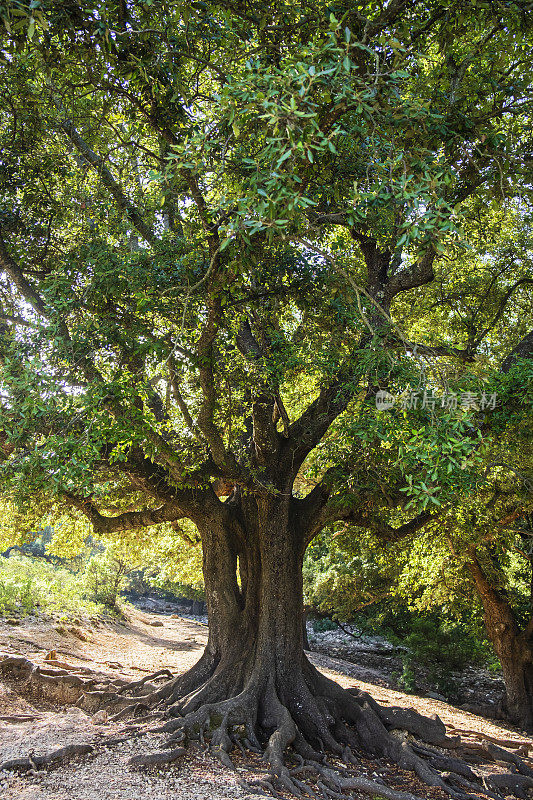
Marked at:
<point>35,763</point>
<point>157,759</point>
<point>302,717</point>
<point>506,784</point>
<point>324,717</point>
<point>81,686</point>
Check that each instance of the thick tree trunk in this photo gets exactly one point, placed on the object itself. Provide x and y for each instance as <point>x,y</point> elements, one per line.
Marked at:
<point>253,580</point>
<point>512,645</point>
<point>254,677</point>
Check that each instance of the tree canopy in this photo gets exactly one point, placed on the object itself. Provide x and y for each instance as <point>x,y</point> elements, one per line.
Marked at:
<point>198,218</point>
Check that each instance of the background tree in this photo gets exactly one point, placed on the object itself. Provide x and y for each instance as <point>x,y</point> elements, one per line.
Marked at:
<point>210,218</point>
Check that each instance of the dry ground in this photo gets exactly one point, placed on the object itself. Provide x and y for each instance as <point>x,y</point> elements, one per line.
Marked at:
<point>141,644</point>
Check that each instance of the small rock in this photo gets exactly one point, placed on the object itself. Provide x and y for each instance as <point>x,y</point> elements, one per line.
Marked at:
<point>51,656</point>
<point>156,624</point>
<point>100,718</point>
<point>437,696</point>
<point>13,621</point>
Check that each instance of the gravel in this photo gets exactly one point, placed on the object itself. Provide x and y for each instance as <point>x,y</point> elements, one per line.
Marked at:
<point>105,775</point>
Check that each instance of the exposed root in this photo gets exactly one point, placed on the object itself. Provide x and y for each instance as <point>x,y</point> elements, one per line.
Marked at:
<point>445,763</point>
<point>132,688</point>
<point>365,785</point>
<point>431,729</point>
<point>302,718</point>
<point>257,785</point>
<point>62,685</point>
<point>157,759</point>
<point>34,762</point>
<point>513,744</point>
<point>499,754</point>
<point>131,708</point>
<point>507,783</point>
<point>257,714</point>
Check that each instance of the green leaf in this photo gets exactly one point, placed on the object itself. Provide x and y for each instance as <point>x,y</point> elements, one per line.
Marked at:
<point>284,157</point>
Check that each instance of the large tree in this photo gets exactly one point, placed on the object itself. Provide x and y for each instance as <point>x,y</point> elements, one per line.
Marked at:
<point>210,213</point>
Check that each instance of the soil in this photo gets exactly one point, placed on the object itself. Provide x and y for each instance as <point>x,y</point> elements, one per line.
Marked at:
<point>141,643</point>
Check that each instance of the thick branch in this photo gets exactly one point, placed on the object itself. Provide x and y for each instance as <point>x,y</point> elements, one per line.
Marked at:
<point>205,421</point>
<point>440,350</point>
<point>307,431</point>
<point>12,269</point>
<point>418,274</point>
<point>268,406</point>
<point>109,182</point>
<point>128,520</point>
<point>382,530</point>
<point>318,510</point>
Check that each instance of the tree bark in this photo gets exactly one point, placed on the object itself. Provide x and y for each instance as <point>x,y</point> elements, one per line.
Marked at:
<point>252,565</point>
<point>512,645</point>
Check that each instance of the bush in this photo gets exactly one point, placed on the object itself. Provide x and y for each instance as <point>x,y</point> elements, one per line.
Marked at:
<point>407,679</point>
<point>324,624</point>
<point>440,648</point>
<point>28,584</point>
<point>105,576</point>
<point>450,644</point>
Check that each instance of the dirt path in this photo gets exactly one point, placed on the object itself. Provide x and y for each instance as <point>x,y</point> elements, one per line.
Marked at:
<point>142,644</point>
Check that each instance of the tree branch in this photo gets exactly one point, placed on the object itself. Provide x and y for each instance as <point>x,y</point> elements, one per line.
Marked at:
<point>503,304</point>
<point>109,181</point>
<point>12,269</point>
<point>418,274</point>
<point>128,520</point>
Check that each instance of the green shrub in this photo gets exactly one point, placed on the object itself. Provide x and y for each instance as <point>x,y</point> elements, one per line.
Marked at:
<point>324,624</point>
<point>28,584</point>
<point>104,577</point>
<point>440,648</point>
<point>448,644</point>
<point>407,679</point>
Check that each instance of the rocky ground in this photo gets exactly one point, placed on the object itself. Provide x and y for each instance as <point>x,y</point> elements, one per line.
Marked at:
<point>141,643</point>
